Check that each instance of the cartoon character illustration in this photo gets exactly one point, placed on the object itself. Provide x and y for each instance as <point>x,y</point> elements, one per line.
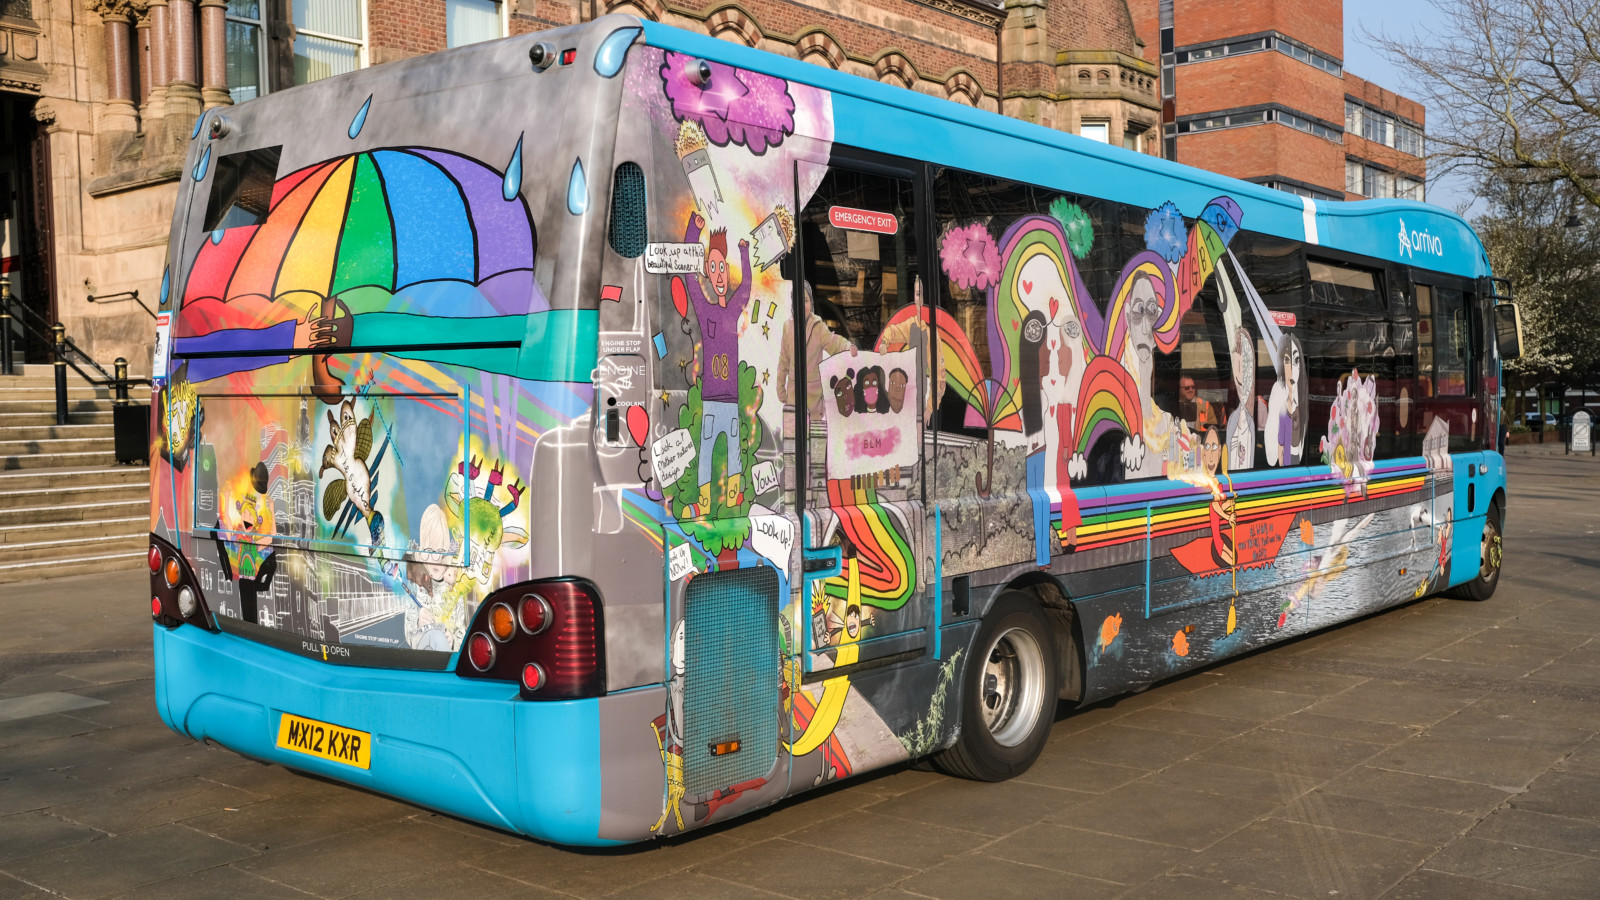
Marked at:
<point>870,394</point>
<point>897,389</point>
<point>668,729</point>
<point>485,522</point>
<point>433,618</point>
<point>247,556</point>
<point>720,315</point>
<point>181,418</point>
<point>350,443</point>
<point>1224,519</point>
<point>1242,424</point>
<point>843,392</point>
<point>1285,425</point>
<point>1352,434</point>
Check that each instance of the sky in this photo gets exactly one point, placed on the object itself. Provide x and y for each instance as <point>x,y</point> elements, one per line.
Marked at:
<point>1396,19</point>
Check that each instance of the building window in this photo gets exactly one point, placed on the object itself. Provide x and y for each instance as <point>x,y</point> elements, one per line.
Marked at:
<point>1378,128</point>
<point>246,57</point>
<point>1377,183</point>
<point>1409,188</point>
<point>1096,131</point>
<point>1260,43</point>
<point>1130,141</point>
<point>330,39</point>
<point>1257,116</point>
<point>1352,176</point>
<point>470,21</point>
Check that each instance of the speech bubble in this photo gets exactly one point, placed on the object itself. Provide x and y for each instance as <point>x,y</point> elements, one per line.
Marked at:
<point>672,454</point>
<point>764,477</point>
<point>678,259</point>
<point>772,537</point>
<point>680,562</point>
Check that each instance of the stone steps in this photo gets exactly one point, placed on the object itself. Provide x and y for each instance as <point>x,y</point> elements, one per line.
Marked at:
<point>66,508</point>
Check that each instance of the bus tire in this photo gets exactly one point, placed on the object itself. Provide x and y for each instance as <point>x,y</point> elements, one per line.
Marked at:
<point>1482,586</point>
<point>1008,694</point>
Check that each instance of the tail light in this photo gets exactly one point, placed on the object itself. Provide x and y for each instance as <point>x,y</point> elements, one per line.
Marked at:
<point>545,635</point>
<point>175,596</point>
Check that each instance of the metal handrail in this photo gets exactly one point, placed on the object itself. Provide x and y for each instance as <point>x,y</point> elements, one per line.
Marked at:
<point>42,330</point>
<point>123,297</point>
<point>63,349</point>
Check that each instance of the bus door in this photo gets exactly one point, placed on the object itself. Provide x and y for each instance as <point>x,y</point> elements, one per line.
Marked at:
<point>1447,405</point>
<point>865,593</point>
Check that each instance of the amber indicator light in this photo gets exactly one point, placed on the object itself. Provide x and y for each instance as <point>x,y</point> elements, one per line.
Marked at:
<point>724,748</point>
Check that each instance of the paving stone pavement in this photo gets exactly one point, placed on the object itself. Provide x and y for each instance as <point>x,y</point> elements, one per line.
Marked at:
<point>1440,749</point>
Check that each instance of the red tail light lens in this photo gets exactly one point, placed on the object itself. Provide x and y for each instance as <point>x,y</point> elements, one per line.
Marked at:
<point>480,651</point>
<point>155,607</point>
<point>535,614</point>
<point>558,652</point>
<point>155,558</point>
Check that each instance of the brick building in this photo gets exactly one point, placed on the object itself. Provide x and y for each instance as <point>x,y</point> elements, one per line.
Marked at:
<point>1232,69</point>
<point>97,98</point>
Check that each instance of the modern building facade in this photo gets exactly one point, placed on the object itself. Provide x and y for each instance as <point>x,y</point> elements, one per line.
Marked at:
<point>1257,89</point>
<point>98,98</point>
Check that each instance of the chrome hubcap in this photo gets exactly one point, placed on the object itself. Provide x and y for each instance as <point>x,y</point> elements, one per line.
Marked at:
<point>1013,687</point>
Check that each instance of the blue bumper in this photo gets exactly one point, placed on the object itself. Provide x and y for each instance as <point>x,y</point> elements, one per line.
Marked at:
<point>464,747</point>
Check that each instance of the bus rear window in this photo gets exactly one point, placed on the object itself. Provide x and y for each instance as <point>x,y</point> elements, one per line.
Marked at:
<point>241,190</point>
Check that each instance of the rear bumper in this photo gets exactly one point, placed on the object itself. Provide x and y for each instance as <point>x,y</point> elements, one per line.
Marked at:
<point>464,747</point>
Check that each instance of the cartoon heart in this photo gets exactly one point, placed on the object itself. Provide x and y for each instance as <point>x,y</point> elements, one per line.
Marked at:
<point>638,424</point>
<point>1027,286</point>
<point>1054,305</point>
<point>680,296</point>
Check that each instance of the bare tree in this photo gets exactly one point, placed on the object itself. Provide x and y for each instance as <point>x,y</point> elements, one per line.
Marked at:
<point>1554,270</point>
<point>1512,89</point>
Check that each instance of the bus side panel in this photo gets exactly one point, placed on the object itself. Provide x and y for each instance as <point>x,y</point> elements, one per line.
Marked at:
<point>1333,564</point>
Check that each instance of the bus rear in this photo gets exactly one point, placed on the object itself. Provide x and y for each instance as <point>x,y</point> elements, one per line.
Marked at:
<point>372,495</point>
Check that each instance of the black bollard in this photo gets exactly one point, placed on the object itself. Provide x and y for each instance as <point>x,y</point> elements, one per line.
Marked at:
<point>60,332</point>
<point>119,369</point>
<point>7,364</point>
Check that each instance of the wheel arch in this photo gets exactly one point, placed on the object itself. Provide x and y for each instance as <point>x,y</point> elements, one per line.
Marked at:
<point>1062,615</point>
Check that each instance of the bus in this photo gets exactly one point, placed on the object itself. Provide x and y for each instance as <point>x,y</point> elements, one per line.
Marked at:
<point>604,433</point>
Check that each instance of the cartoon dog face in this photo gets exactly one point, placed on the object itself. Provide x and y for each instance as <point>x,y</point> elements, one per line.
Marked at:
<point>843,396</point>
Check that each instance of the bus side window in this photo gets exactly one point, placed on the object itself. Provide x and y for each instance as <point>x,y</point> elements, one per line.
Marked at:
<point>1351,334</point>
<point>1195,383</point>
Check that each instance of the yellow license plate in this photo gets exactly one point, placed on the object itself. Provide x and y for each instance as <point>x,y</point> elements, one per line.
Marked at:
<point>313,738</point>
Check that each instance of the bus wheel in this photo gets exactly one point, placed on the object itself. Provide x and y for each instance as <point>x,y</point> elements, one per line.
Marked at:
<point>1482,587</point>
<point>1008,696</point>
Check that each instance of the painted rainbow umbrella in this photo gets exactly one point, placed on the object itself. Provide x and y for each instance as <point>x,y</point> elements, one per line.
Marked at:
<point>385,219</point>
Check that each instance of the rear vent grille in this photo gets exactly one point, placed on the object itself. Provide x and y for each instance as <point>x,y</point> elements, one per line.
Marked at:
<point>731,677</point>
<point>628,232</point>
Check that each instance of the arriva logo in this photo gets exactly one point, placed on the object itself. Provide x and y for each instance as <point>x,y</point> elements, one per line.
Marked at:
<point>1412,242</point>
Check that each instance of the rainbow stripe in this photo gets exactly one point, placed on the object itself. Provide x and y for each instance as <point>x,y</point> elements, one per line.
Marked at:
<point>885,560</point>
<point>1120,516</point>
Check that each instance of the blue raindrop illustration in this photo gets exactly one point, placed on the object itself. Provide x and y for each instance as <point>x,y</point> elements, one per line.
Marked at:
<point>613,51</point>
<point>216,236</point>
<point>360,119</point>
<point>513,183</point>
<point>197,122</point>
<point>204,164</point>
<point>166,285</point>
<point>577,190</point>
